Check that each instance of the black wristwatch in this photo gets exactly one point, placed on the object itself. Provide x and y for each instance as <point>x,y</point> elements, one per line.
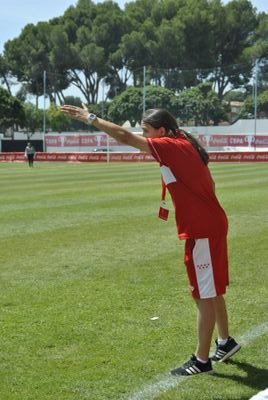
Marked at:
<point>91,117</point>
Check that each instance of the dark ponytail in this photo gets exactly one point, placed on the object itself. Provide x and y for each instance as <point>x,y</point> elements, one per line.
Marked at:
<point>159,117</point>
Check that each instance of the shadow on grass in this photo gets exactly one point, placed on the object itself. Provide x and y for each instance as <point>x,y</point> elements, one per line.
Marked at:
<point>255,378</point>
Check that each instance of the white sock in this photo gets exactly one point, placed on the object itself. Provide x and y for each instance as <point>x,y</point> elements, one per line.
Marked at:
<point>202,361</point>
<point>222,342</point>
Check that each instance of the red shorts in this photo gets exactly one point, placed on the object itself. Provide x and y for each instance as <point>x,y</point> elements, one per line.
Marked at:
<point>206,261</point>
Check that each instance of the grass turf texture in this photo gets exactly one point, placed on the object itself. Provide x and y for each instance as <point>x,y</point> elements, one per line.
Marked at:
<point>85,264</point>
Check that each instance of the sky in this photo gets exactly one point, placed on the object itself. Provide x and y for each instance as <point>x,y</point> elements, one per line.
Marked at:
<point>15,14</point>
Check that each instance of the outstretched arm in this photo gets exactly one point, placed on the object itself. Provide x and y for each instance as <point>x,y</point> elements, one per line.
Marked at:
<point>115,131</point>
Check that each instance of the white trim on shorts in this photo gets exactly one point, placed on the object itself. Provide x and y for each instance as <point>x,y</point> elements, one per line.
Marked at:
<point>203,269</point>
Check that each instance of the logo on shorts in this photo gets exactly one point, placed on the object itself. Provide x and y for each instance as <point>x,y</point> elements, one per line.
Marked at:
<point>191,288</point>
<point>203,266</point>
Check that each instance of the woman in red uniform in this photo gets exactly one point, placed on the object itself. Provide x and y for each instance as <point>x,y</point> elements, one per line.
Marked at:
<point>200,221</point>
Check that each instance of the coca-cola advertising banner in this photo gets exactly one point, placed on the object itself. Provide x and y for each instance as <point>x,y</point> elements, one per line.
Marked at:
<point>79,141</point>
<point>238,156</point>
<point>207,141</point>
<point>132,157</point>
<point>233,140</point>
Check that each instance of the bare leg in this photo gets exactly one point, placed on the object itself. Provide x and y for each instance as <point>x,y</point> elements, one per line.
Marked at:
<point>221,317</point>
<point>205,325</point>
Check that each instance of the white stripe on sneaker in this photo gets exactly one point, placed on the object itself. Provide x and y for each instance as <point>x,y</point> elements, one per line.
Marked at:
<point>230,353</point>
<point>193,370</point>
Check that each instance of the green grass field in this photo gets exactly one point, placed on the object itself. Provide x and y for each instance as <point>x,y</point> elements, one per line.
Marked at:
<point>85,264</point>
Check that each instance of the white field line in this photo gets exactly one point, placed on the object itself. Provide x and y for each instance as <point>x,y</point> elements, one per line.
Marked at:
<point>163,383</point>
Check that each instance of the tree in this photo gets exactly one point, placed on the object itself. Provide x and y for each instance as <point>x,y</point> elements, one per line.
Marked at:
<point>263,102</point>
<point>232,27</point>
<point>5,73</point>
<point>30,55</point>
<point>11,111</point>
<point>136,51</point>
<point>128,106</point>
<point>180,42</point>
<point>156,40</point>
<point>235,95</point>
<point>93,33</point>
<point>258,51</point>
<point>200,104</point>
<point>248,108</point>
<point>27,56</point>
<point>259,41</point>
<point>33,119</point>
<point>56,120</point>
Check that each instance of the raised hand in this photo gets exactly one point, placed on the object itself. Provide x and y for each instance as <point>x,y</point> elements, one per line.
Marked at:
<point>81,114</point>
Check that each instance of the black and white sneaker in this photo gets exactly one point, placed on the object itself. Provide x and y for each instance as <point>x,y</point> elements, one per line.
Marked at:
<point>223,352</point>
<point>193,367</point>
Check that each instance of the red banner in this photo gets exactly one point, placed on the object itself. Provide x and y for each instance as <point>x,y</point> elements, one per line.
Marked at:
<point>80,141</point>
<point>80,157</point>
<point>233,140</point>
<point>132,157</point>
<point>100,140</point>
<point>238,156</point>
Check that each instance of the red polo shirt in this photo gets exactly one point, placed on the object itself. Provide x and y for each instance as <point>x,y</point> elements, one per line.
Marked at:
<point>198,212</point>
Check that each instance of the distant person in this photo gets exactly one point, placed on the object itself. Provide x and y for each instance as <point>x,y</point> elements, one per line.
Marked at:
<point>29,153</point>
<point>200,220</point>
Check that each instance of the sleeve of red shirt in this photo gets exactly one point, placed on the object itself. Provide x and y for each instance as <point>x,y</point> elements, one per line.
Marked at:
<point>153,150</point>
<point>161,149</point>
